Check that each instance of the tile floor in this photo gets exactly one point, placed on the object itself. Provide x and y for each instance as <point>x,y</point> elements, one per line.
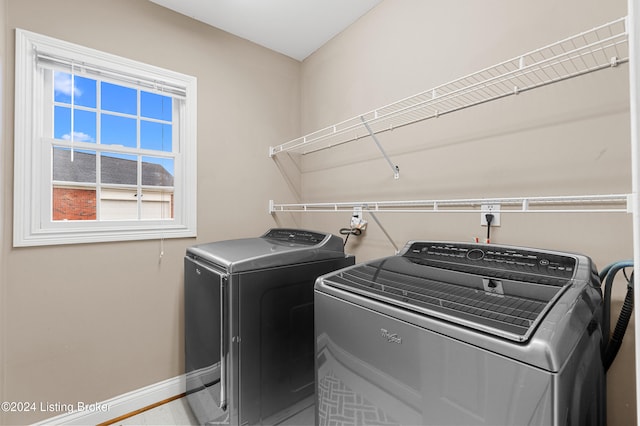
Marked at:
<point>177,412</point>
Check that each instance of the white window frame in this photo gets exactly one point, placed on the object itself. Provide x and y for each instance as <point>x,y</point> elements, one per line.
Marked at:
<point>32,165</point>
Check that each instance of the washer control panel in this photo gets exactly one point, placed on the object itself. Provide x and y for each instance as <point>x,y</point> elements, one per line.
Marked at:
<point>479,258</point>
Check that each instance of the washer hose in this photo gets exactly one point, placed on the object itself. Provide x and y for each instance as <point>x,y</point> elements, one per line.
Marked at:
<point>613,344</point>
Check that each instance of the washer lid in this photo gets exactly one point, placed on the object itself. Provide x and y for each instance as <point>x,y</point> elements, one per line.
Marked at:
<point>277,247</point>
<point>492,293</point>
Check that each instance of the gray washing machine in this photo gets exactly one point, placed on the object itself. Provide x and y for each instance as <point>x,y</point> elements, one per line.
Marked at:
<point>249,324</point>
<point>461,334</point>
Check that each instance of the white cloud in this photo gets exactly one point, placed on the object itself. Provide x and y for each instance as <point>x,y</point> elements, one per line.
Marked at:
<point>78,137</point>
<point>62,84</point>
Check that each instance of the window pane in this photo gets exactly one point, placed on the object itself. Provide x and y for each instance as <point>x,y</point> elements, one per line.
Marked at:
<point>73,202</point>
<point>62,87</point>
<point>84,92</point>
<point>62,123</point>
<point>84,123</point>
<point>118,204</point>
<point>157,171</point>
<point>118,169</point>
<point>156,136</point>
<point>118,98</point>
<point>84,89</point>
<point>157,205</point>
<point>81,169</point>
<point>116,130</point>
<point>156,106</point>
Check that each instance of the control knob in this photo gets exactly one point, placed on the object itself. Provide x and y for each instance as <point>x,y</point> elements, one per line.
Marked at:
<point>475,254</point>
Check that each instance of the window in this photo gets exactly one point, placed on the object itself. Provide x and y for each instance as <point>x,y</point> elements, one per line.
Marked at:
<point>105,147</point>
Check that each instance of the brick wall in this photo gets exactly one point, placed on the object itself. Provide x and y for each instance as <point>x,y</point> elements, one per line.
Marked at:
<point>74,204</point>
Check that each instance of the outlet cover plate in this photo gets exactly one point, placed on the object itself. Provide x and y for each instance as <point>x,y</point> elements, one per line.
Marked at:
<point>494,209</point>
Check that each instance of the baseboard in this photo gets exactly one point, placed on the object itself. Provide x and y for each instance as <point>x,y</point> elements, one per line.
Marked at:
<point>121,405</point>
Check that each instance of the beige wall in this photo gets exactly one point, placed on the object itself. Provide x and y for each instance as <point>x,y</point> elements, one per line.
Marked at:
<point>565,139</point>
<point>90,322</point>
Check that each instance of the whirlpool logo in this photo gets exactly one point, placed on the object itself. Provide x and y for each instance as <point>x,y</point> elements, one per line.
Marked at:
<point>391,338</point>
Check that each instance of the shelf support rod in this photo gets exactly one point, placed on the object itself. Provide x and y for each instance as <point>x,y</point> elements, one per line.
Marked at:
<point>375,218</point>
<point>396,169</point>
<point>632,23</point>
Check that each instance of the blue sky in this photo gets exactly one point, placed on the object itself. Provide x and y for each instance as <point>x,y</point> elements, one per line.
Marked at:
<point>115,128</point>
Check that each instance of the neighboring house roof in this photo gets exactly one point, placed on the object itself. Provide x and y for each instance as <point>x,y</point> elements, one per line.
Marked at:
<point>113,170</point>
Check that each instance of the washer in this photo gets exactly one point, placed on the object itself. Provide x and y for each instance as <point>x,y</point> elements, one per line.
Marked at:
<point>456,333</point>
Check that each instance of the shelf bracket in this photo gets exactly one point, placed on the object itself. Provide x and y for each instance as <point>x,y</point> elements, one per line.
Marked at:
<point>375,218</point>
<point>396,169</point>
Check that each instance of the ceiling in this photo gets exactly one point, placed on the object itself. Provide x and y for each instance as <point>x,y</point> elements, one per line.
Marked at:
<point>295,28</point>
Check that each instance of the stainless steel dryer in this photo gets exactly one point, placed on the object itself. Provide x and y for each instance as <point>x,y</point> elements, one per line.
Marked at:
<point>249,332</point>
<point>461,334</point>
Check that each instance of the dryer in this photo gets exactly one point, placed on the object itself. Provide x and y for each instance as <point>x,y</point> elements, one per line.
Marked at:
<point>249,324</point>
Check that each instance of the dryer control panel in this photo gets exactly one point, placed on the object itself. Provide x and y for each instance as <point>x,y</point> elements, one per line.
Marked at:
<point>295,236</point>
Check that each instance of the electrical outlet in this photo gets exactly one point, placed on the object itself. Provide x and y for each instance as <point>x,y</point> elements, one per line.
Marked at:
<point>357,217</point>
<point>494,209</point>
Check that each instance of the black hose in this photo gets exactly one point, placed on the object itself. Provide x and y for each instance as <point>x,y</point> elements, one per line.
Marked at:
<point>349,231</point>
<point>612,345</point>
<point>621,327</point>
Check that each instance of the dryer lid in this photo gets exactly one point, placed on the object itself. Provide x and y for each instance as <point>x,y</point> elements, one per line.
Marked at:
<point>277,247</point>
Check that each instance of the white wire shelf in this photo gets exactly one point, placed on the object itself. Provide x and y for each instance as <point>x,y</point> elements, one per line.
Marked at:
<point>610,203</point>
<point>602,47</point>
